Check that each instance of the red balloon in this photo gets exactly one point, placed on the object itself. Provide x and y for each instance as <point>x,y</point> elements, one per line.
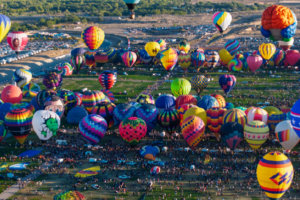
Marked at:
<point>11,94</point>
<point>17,40</point>
<point>254,62</point>
<point>292,57</point>
<point>185,99</point>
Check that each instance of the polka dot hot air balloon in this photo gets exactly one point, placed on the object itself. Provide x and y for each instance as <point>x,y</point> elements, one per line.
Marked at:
<point>256,133</point>
<point>105,110</point>
<point>235,115</point>
<point>215,119</point>
<point>129,58</point>
<point>93,128</point>
<point>232,134</point>
<point>149,113</point>
<point>184,46</point>
<point>93,37</point>
<point>199,83</point>
<point>275,174</point>
<point>19,123</point>
<point>162,43</point>
<point>132,130</point>
<point>255,113</point>
<point>31,90</point>
<point>53,81</point>
<point>22,77</point>
<point>4,26</point>
<point>198,59</point>
<point>182,109</point>
<point>169,120</point>
<point>227,82</point>
<point>222,20</point>
<point>65,69</point>
<point>107,79</point>
<point>145,98</point>
<point>232,46</point>
<point>192,129</point>
<point>185,99</point>
<point>169,59</point>
<point>123,111</point>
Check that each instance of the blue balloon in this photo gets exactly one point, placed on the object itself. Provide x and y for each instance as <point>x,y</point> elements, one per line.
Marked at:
<point>207,102</point>
<point>149,114</point>
<point>295,117</point>
<point>76,114</point>
<point>149,152</point>
<point>144,56</point>
<point>123,111</point>
<point>35,104</point>
<point>229,105</point>
<point>227,82</point>
<point>4,109</point>
<point>78,51</point>
<point>165,101</point>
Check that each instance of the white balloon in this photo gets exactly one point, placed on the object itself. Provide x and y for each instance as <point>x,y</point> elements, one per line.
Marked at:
<point>286,135</point>
<point>45,124</point>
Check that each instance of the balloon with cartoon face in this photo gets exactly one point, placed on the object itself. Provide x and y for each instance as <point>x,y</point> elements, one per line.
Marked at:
<point>55,104</point>
<point>45,124</point>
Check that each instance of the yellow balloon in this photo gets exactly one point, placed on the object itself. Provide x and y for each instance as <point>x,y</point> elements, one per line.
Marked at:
<point>275,174</point>
<point>199,112</point>
<point>225,56</point>
<point>267,50</point>
<point>256,133</point>
<point>272,110</point>
<point>152,48</point>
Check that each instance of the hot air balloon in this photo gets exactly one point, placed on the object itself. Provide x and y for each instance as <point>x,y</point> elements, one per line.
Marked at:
<point>184,46</point>
<point>199,83</point>
<point>254,62</point>
<point>235,65</point>
<point>90,58</point>
<point>31,90</point>
<point>165,101</point>
<point>101,58</point>
<point>275,174</point>
<point>235,115</point>
<point>149,113</point>
<point>279,58</point>
<point>129,58</point>
<point>275,119</point>
<point>215,119</point>
<point>107,79</point>
<point>19,123</point>
<point>180,86</point>
<point>93,128</point>
<point>123,111</point>
<point>112,54</point>
<point>144,56</point>
<point>11,94</point>
<point>77,59</point>
<point>185,99</point>
<point>78,98</point>
<point>207,102</point>
<point>131,4</point>
<point>286,45</point>
<point>199,112</point>
<point>91,98</point>
<point>42,96</point>
<point>184,60</point>
<point>152,48</point>
<point>169,120</point>
<point>22,77</point>
<point>65,69</point>
<point>278,23</point>
<point>17,40</point>
<point>220,99</point>
<point>286,135</point>
<point>227,82</point>
<point>241,108</point>
<point>105,110</point>
<point>225,56</point>
<point>232,134</point>
<point>93,37</point>
<point>45,124</point>
<point>145,98</point>
<point>267,50</point>
<point>295,117</point>
<point>53,81</point>
<point>192,129</point>
<point>255,113</point>
<point>68,97</point>
<point>3,130</point>
<point>198,59</point>
<point>55,104</point>
<point>154,170</point>
<point>132,130</point>
<point>25,105</point>
<point>108,94</point>
<point>256,133</point>
<point>232,46</point>
<point>292,57</point>
<point>4,26</point>
<point>169,58</point>
<point>162,43</point>
<point>212,58</point>
<point>149,152</point>
<point>222,20</point>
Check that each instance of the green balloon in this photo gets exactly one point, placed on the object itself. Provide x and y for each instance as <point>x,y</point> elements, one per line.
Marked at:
<point>241,108</point>
<point>180,86</point>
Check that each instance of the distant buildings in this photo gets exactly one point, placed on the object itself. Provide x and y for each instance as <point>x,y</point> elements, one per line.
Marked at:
<point>53,35</point>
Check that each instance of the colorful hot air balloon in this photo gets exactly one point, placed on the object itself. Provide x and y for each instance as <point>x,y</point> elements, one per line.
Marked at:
<point>4,26</point>
<point>22,77</point>
<point>93,37</point>
<point>192,129</point>
<point>235,115</point>
<point>169,120</point>
<point>220,99</point>
<point>232,46</point>
<point>101,58</point>
<point>19,123</point>
<point>199,83</point>
<point>131,4</point>
<point>144,56</point>
<point>112,54</point>
<point>225,56</point>
<point>90,58</point>
<point>56,104</point>
<point>149,152</point>
<point>145,98</point>
<point>3,130</point>
<point>31,90</point>
<point>105,110</point>
<point>215,119</point>
<point>25,105</point>
<point>267,50</point>
<point>182,109</point>
<point>295,117</point>
<point>68,97</point>
<point>93,128</point>
<point>292,57</point>
<point>169,58</point>
<point>275,119</point>
<point>254,62</point>
<point>132,130</point>
<point>17,40</point>
<point>207,102</point>
<point>180,86</point>
<point>42,96</point>
<point>152,48</point>
<point>65,69</point>
<point>255,113</point>
<point>286,135</point>
<point>107,79</point>
<point>91,98</point>
<point>199,112</point>
<point>123,111</point>
<point>212,58</point>
<point>45,124</point>
<point>184,60</point>
<point>165,101</point>
<point>222,20</point>
<point>278,23</point>
<point>129,58</point>
<point>256,133</point>
<point>184,46</point>
<point>53,81</point>
<point>162,43</point>
<point>198,59</point>
<point>149,113</point>
<point>154,170</point>
<point>232,134</point>
<point>77,62</point>
<point>275,174</point>
<point>235,65</point>
<point>108,94</point>
<point>227,82</point>
<point>78,98</point>
<point>279,58</point>
<point>185,99</point>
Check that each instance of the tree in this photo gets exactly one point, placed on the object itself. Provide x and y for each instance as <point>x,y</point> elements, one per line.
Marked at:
<point>42,21</point>
<point>100,19</point>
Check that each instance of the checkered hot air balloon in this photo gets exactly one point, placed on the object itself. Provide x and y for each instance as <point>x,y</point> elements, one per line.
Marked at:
<point>93,128</point>
<point>123,111</point>
<point>93,37</point>
<point>199,83</point>
<point>132,130</point>
<point>155,170</point>
<point>149,113</point>
<point>107,79</point>
<point>227,82</point>
<point>192,129</point>
<point>105,110</point>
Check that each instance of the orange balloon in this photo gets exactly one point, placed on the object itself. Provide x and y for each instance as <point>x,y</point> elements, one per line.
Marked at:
<point>11,94</point>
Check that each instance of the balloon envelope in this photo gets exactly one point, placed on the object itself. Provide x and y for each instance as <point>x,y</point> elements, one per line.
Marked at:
<point>93,37</point>
<point>286,135</point>
<point>222,20</point>
<point>17,40</point>
<point>180,86</point>
<point>232,134</point>
<point>132,130</point>
<point>193,130</point>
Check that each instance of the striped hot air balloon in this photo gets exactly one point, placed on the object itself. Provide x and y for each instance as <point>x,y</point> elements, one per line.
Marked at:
<point>192,129</point>
<point>235,115</point>
<point>267,50</point>
<point>215,119</point>
<point>184,60</point>
<point>222,20</point>
<point>256,133</point>
<point>93,37</point>
<point>129,58</point>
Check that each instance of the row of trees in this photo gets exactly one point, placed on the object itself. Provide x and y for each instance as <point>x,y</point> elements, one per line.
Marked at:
<point>119,8</point>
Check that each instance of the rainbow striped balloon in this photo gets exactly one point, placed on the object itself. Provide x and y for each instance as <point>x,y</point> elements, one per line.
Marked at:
<point>162,43</point>
<point>193,130</point>
<point>93,37</point>
<point>105,110</point>
<point>31,90</point>
<point>215,119</point>
<point>90,58</point>
<point>169,58</point>
<point>109,94</point>
<point>279,57</point>
<point>93,128</point>
<point>91,98</point>
<point>25,105</point>
<point>65,69</point>
<point>235,65</point>
<point>78,98</point>
<point>19,123</point>
<point>184,60</point>
<point>235,115</point>
<point>232,46</point>
<point>129,58</point>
